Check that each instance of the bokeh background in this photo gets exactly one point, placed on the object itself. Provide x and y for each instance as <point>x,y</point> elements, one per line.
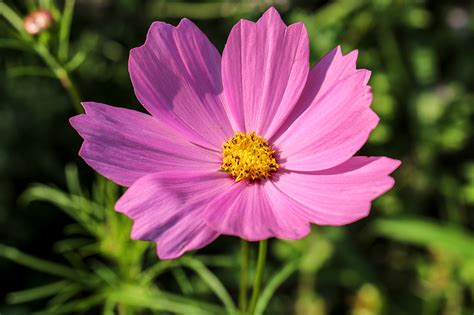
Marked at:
<point>64,250</point>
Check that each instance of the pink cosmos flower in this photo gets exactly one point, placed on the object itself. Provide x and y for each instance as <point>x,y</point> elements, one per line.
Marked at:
<point>253,144</point>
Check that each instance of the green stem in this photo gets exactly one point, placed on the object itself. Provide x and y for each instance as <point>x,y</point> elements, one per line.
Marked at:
<point>277,280</point>
<point>71,87</point>
<point>61,74</point>
<point>244,252</point>
<point>257,283</point>
<point>65,29</point>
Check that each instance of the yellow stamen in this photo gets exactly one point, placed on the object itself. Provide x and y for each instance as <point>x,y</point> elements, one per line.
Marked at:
<point>248,156</point>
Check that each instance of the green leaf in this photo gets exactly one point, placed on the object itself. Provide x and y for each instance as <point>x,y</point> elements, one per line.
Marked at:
<point>75,305</point>
<point>75,61</point>
<point>212,281</point>
<point>36,293</point>
<point>18,257</point>
<point>71,244</point>
<point>66,294</point>
<point>84,211</point>
<point>183,281</point>
<point>147,297</point>
<point>157,269</point>
<point>32,71</point>
<point>13,43</point>
<point>105,273</point>
<point>428,233</point>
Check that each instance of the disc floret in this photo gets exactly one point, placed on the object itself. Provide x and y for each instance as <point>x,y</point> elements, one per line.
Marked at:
<point>248,156</point>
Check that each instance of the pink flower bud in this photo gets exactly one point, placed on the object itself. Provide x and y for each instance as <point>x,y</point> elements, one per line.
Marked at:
<point>37,21</point>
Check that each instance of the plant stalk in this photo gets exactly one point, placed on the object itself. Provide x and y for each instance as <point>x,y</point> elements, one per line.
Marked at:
<point>244,265</point>
<point>262,255</point>
<point>62,75</point>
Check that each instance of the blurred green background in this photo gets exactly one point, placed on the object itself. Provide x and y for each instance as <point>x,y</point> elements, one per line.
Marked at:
<point>64,250</point>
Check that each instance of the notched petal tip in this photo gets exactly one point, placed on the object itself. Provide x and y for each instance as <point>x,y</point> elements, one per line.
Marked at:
<point>271,13</point>
<point>76,120</point>
<point>120,204</point>
<point>89,106</point>
<point>186,23</point>
<point>154,27</point>
<point>354,54</point>
<point>347,62</point>
<point>367,75</point>
<point>93,108</point>
<point>82,151</point>
<point>160,26</point>
<point>392,164</point>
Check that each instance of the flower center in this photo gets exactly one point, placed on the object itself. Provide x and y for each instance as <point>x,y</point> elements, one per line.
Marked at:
<point>248,156</point>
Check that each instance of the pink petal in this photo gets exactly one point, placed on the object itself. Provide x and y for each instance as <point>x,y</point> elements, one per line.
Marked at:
<point>124,145</point>
<point>330,69</point>
<point>176,75</point>
<point>264,69</point>
<point>249,211</point>
<point>167,208</point>
<point>332,129</point>
<point>340,195</point>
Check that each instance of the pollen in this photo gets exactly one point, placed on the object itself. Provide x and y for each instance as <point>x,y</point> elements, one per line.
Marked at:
<point>248,156</point>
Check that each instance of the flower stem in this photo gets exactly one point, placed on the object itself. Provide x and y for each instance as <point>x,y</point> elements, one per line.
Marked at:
<point>262,254</point>
<point>61,74</point>
<point>244,265</point>
<point>74,94</point>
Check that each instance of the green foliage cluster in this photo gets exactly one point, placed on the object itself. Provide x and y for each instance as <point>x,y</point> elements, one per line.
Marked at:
<point>413,255</point>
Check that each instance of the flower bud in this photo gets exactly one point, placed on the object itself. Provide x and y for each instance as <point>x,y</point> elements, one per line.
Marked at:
<point>37,21</point>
